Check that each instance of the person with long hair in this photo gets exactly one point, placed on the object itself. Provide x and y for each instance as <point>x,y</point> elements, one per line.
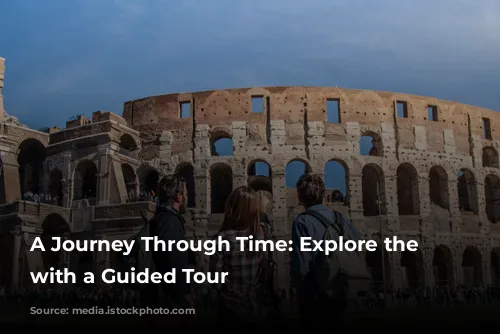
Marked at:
<point>240,298</point>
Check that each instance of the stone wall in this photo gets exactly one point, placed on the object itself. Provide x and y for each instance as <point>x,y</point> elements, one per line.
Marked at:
<point>293,125</point>
<point>434,180</point>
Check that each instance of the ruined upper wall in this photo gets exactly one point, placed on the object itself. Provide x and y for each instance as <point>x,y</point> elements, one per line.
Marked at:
<point>100,123</point>
<point>152,115</point>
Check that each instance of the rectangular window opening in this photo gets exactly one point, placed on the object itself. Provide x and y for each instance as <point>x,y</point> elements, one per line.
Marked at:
<point>487,128</point>
<point>258,104</point>
<point>432,112</point>
<point>402,109</point>
<point>333,111</point>
<point>185,108</point>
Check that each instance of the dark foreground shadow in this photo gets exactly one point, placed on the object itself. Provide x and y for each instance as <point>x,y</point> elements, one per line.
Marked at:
<point>443,318</point>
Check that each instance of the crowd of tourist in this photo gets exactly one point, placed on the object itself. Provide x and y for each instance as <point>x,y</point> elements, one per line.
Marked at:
<point>117,296</point>
<point>41,198</point>
<point>143,196</point>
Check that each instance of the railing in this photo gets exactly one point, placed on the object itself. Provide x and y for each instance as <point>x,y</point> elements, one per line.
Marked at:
<point>123,210</point>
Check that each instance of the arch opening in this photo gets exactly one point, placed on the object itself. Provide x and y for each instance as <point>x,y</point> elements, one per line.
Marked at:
<point>130,180</point>
<point>149,185</point>
<point>336,181</point>
<point>31,155</point>
<point>294,170</point>
<point>495,267</point>
<point>490,157</point>
<point>379,268</point>
<point>492,198</point>
<point>260,176</point>
<point>85,180</point>
<point>127,143</point>
<point>442,263</point>
<point>413,269</point>
<point>472,266</point>
<point>221,185</point>
<point>438,187</point>
<point>56,186</point>
<point>407,189</point>
<point>186,171</point>
<point>467,191</point>
<point>373,190</point>
<point>221,144</point>
<point>370,144</point>
<point>53,225</point>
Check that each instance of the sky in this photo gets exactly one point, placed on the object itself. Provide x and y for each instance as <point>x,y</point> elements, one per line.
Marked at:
<point>71,57</point>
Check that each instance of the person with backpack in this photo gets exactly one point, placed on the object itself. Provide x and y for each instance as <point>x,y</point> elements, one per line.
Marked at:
<point>169,224</point>
<point>323,284</point>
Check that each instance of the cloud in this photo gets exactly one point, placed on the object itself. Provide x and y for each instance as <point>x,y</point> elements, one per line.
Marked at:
<point>124,15</point>
<point>134,47</point>
<point>68,77</point>
<point>412,31</point>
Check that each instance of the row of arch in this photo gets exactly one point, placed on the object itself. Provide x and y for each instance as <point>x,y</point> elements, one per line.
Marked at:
<point>31,155</point>
<point>373,186</point>
<point>260,178</point>
<point>374,197</point>
<point>370,143</point>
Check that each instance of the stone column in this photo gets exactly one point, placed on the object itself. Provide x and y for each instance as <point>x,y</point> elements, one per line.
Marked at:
<point>10,173</point>
<point>280,211</point>
<point>456,216</point>
<point>200,216</point>
<point>457,266</point>
<point>428,258</point>
<point>103,177</point>
<point>316,140</point>
<point>202,187</point>
<point>486,265</point>
<point>17,259</point>
<point>239,174</point>
<point>484,224</point>
<point>165,147</point>
<point>424,195</point>
<point>239,137</point>
<point>396,270</point>
<point>355,198</point>
<point>281,225</point>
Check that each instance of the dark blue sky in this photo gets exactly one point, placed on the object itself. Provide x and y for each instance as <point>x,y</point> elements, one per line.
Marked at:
<point>70,57</point>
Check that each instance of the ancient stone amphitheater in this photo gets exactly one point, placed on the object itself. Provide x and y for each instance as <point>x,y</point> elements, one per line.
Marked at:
<point>431,175</point>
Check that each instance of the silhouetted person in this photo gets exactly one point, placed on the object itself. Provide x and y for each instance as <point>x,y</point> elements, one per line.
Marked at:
<point>240,298</point>
<point>169,224</point>
<point>315,312</point>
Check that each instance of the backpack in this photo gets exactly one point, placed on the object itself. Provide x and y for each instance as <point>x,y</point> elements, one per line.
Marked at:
<point>273,300</point>
<point>341,277</point>
<point>138,258</point>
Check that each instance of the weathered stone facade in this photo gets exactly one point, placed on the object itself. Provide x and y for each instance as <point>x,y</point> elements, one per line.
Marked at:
<point>409,185</point>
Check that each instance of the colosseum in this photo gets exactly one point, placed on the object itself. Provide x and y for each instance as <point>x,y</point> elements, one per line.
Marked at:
<point>431,174</point>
